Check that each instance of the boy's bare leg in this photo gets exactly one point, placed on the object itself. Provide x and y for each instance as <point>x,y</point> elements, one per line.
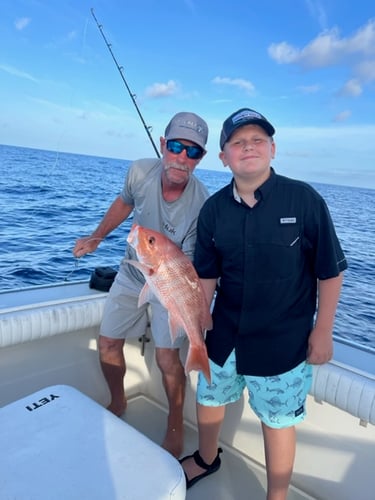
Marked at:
<point>279,448</point>
<point>210,419</point>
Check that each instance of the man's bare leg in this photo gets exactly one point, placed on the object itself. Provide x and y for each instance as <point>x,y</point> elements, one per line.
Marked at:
<point>113,366</point>
<point>174,380</point>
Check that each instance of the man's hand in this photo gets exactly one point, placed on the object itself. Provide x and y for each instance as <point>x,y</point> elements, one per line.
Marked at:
<point>86,245</point>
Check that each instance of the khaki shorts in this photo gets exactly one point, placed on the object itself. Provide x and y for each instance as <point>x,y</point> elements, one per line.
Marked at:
<point>123,319</point>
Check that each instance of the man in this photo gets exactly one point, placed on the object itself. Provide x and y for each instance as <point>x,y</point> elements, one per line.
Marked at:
<point>163,195</point>
<point>271,242</point>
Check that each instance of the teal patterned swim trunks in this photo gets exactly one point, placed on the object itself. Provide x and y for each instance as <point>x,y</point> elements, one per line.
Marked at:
<point>279,400</point>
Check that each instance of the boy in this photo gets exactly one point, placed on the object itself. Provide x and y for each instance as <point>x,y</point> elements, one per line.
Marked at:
<point>267,244</point>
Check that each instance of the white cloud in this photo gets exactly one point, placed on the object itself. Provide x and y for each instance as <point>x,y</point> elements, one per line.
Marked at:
<point>16,72</point>
<point>72,35</point>
<point>343,116</point>
<point>324,50</point>
<point>317,11</point>
<point>21,23</point>
<point>309,89</point>
<point>366,70</point>
<point>162,89</point>
<point>364,40</point>
<point>352,88</point>
<point>236,82</point>
<point>327,48</point>
<point>283,53</point>
<point>356,53</point>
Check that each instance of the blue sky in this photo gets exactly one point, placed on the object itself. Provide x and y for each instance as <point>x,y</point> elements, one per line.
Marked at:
<point>308,65</point>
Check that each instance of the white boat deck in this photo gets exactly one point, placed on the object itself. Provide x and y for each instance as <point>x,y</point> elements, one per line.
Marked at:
<point>239,477</point>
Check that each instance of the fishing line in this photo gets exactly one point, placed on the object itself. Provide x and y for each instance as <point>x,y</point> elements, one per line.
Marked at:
<point>83,47</point>
<point>76,262</point>
<point>132,96</point>
<point>77,259</point>
<point>54,161</point>
<point>70,105</point>
<point>57,157</point>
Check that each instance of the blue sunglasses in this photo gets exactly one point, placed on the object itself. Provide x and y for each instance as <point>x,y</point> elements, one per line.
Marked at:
<point>192,152</point>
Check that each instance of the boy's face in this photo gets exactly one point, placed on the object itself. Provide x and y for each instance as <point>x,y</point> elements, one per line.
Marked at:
<point>248,151</point>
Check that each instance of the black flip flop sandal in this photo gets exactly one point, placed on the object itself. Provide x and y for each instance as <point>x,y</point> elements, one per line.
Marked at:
<point>209,469</point>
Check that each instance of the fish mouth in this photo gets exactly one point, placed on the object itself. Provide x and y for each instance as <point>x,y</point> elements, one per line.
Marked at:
<point>132,238</point>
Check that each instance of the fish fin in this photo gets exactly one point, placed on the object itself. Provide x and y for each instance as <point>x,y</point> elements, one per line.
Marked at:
<point>206,318</point>
<point>175,329</point>
<point>145,270</point>
<point>145,295</point>
<point>207,323</point>
<point>197,359</point>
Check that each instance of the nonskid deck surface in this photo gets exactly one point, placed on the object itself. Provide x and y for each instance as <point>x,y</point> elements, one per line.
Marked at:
<point>238,478</point>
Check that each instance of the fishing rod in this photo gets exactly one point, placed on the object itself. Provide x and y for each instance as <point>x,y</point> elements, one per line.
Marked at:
<point>121,71</point>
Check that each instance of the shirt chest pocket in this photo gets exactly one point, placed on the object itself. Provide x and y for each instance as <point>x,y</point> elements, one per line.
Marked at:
<point>277,255</point>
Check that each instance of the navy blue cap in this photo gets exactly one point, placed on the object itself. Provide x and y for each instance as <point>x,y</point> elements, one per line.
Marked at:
<point>243,116</point>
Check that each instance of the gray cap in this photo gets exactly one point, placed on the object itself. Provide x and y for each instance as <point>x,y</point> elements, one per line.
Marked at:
<point>188,126</point>
<point>244,116</point>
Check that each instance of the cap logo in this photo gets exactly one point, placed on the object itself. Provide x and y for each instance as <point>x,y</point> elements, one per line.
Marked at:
<point>188,126</point>
<point>192,125</point>
<point>245,115</point>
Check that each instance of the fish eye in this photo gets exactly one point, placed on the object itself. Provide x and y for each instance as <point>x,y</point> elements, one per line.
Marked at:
<point>151,240</point>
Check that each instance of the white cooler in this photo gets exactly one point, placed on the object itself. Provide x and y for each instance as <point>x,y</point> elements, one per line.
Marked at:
<point>58,444</point>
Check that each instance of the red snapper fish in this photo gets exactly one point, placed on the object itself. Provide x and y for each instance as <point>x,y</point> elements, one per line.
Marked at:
<point>171,277</point>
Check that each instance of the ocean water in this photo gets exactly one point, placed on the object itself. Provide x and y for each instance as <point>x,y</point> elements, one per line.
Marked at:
<point>49,199</point>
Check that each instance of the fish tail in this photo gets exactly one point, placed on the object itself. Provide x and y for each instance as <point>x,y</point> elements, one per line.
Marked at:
<point>197,359</point>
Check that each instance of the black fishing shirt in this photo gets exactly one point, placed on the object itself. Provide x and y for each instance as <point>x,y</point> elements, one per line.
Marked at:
<point>268,259</point>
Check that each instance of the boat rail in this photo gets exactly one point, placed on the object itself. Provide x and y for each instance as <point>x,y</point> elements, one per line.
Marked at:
<point>350,388</point>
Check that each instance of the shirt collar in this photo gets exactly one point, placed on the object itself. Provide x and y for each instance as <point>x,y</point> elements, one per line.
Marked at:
<point>261,192</point>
